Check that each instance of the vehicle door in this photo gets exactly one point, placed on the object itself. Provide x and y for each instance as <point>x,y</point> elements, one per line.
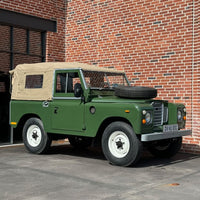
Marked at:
<point>67,110</point>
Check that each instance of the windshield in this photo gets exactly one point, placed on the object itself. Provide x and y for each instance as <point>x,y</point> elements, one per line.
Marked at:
<point>104,80</point>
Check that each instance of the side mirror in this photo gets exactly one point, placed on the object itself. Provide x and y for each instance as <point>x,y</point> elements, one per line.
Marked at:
<point>78,90</point>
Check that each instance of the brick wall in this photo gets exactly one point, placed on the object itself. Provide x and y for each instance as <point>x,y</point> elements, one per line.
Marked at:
<point>151,40</point>
<point>192,144</point>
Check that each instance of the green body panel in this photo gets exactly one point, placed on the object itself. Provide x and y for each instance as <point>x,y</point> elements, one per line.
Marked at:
<point>67,115</point>
<point>172,114</point>
<point>107,110</point>
<point>20,109</point>
<point>73,117</point>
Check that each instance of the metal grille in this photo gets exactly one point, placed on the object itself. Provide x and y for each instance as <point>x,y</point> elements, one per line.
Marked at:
<point>158,113</point>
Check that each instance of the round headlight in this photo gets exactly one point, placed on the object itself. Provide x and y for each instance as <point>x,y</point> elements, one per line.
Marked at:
<point>144,112</point>
<point>148,117</point>
<point>179,115</point>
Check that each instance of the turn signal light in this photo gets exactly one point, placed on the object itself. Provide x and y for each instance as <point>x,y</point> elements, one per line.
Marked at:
<point>144,121</point>
<point>184,117</point>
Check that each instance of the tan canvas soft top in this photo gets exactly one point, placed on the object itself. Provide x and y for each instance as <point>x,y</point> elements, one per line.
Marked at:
<point>19,92</point>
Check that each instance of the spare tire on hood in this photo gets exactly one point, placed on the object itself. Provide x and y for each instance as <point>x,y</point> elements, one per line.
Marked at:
<point>135,92</point>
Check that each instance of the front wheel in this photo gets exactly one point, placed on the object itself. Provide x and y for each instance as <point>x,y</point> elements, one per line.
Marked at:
<point>35,139</point>
<point>166,148</point>
<point>120,145</point>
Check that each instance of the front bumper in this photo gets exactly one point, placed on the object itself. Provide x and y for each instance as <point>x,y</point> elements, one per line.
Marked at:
<point>161,135</point>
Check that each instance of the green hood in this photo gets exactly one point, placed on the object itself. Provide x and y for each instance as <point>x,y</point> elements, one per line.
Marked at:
<point>115,99</point>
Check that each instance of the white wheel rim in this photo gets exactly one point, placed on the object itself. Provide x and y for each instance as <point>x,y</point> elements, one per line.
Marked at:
<point>34,135</point>
<point>119,144</point>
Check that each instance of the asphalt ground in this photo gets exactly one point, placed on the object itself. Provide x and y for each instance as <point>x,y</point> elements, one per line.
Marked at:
<point>67,173</point>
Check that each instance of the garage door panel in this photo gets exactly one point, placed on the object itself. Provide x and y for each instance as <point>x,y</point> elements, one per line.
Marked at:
<point>4,38</point>
<point>5,62</point>
<point>19,59</point>
<point>19,40</point>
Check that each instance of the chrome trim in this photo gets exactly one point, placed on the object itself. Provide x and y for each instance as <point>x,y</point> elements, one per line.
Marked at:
<point>127,79</point>
<point>162,114</point>
<point>83,78</point>
<point>161,135</point>
<point>107,80</point>
<point>54,73</point>
<point>165,114</point>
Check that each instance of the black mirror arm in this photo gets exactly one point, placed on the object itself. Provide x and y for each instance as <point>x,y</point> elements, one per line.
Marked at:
<point>82,99</point>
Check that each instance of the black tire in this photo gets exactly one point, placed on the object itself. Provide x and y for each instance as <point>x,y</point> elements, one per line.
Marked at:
<point>80,142</point>
<point>120,144</point>
<point>135,92</point>
<point>166,148</point>
<point>35,139</point>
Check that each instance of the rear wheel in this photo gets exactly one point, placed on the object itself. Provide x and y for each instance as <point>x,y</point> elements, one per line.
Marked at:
<point>35,139</point>
<point>120,144</point>
<point>166,148</point>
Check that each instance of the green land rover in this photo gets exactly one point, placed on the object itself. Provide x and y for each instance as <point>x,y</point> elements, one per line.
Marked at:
<point>93,105</point>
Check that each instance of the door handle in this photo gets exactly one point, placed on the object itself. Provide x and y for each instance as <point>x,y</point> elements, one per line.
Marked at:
<point>55,110</point>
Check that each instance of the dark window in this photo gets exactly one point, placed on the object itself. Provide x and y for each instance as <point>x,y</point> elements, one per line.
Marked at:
<point>34,81</point>
<point>65,82</point>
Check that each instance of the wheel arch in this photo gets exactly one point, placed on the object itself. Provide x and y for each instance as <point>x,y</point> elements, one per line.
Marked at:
<point>105,123</point>
<point>23,120</point>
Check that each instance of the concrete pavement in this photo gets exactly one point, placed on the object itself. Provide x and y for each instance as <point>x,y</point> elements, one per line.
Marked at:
<point>66,173</point>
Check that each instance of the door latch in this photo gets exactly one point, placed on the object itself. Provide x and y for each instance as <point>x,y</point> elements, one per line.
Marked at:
<point>55,110</point>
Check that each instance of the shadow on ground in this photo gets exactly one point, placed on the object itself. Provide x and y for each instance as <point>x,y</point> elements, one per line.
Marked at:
<point>146,160</point>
